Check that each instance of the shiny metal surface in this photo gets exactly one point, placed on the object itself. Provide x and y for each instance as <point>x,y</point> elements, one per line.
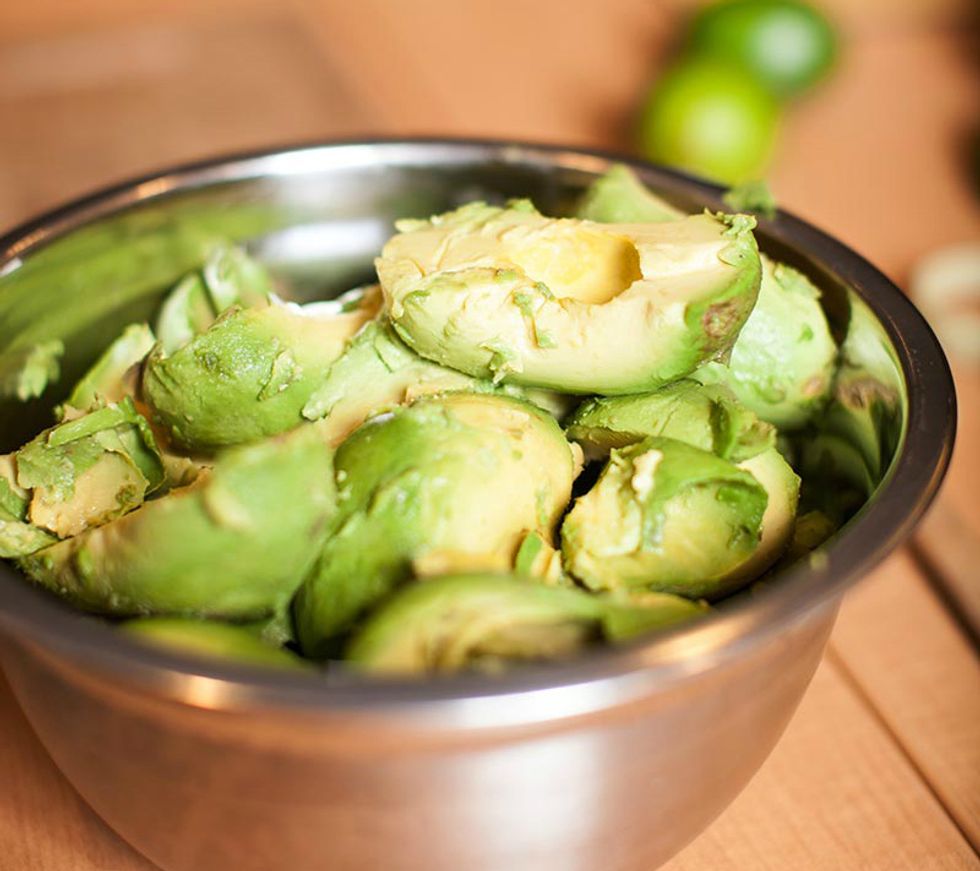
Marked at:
<point>611,761</point>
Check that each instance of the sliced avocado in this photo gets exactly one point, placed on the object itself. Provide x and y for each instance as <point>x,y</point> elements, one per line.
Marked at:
<point>485,622</point>
<point>847,451</point>
<point>570,305</point>
<point>709,418</point>
<point>229,277</point>
<point>463,474</point>
<point>86,471</point>
<point>810,531</point>
<point>668,517</point>
<point>18,536</point>
<point>378,371</point>
<point>26,372</point>
<point>782,364</point>
<point>619,197</point>
<point>250,374</point>
<point>537,558</point>
<point>752,196</point>
<point>234,544</point>
<point>113,375</point>
<point>782,486</point>
<point>637,613</point>
<point>211,640</point>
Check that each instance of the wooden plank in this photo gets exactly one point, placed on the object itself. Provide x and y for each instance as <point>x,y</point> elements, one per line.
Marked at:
<point>949,538</point>
<point>875,156</point>
<point>96,107</point>
<point>502,68</point>
<point>898,644</point>
<point>21,21</point>
<point>44,824</point>
<point>836,793</point>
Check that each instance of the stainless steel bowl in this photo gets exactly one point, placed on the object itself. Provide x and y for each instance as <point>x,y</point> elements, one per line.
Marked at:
<point>612,761</point>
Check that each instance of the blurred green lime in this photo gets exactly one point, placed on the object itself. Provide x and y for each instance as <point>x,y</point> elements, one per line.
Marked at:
<point>786,44</point>
<point>711,119</point>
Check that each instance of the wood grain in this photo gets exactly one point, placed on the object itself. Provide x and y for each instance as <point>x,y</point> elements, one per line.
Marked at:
<point>836,793</point>
<point>99,106</point>
<point>44,824</point>
<point>912,666</point>
<point>483,67</point>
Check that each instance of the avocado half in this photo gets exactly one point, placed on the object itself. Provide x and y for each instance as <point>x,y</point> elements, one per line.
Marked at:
<point>454,480</point>
<point>782,364</point>
<point>485,621</point>
<point>235,544</point>
<point>250,373</point>
<point>702,513</point>
<point>566,304</point>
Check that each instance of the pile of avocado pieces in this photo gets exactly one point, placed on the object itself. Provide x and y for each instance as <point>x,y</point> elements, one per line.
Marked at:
<point>533,435</point>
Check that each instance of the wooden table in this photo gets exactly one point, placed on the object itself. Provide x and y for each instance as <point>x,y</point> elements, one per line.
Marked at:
<point>880,769</point>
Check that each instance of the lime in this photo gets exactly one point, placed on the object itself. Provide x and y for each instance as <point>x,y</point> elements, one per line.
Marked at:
<point>786,44</point>
<point>711,119</point>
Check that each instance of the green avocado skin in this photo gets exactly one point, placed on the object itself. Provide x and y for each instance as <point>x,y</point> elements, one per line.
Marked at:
<point>419,480</point>
<point>483,621</point>
<point>211,640</point>
<point>246,377</point>
<point>619,197</point>
<point>686,530</point>
<point>782,363</point>
<point>104,381</point>
<point>709,418</point>
<point>234,544</point>
<point>452,622</point>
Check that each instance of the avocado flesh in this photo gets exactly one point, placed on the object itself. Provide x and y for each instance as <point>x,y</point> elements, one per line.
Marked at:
<point>665,517</point>
<point>633,614</point>
<point>210,640</point>
<point>17,535</point>
<point>84,472</point>
<point>462,474</point>
<point>234,544</point>
<point>249,375</point>
<point>783,362</point>
<point>845,454</point>
<point>112,377</point>
<point>629,307</point>
<point>782,486</point>
<point>537,558</point>
<point>484,621</point>
<point>26,372</point>
<point>708,417</point>
<point>376,371</point>
<point>229,277</point>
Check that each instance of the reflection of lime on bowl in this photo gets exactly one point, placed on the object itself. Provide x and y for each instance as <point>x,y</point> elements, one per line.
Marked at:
<point>786,45</point>
<point>711,118</point>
